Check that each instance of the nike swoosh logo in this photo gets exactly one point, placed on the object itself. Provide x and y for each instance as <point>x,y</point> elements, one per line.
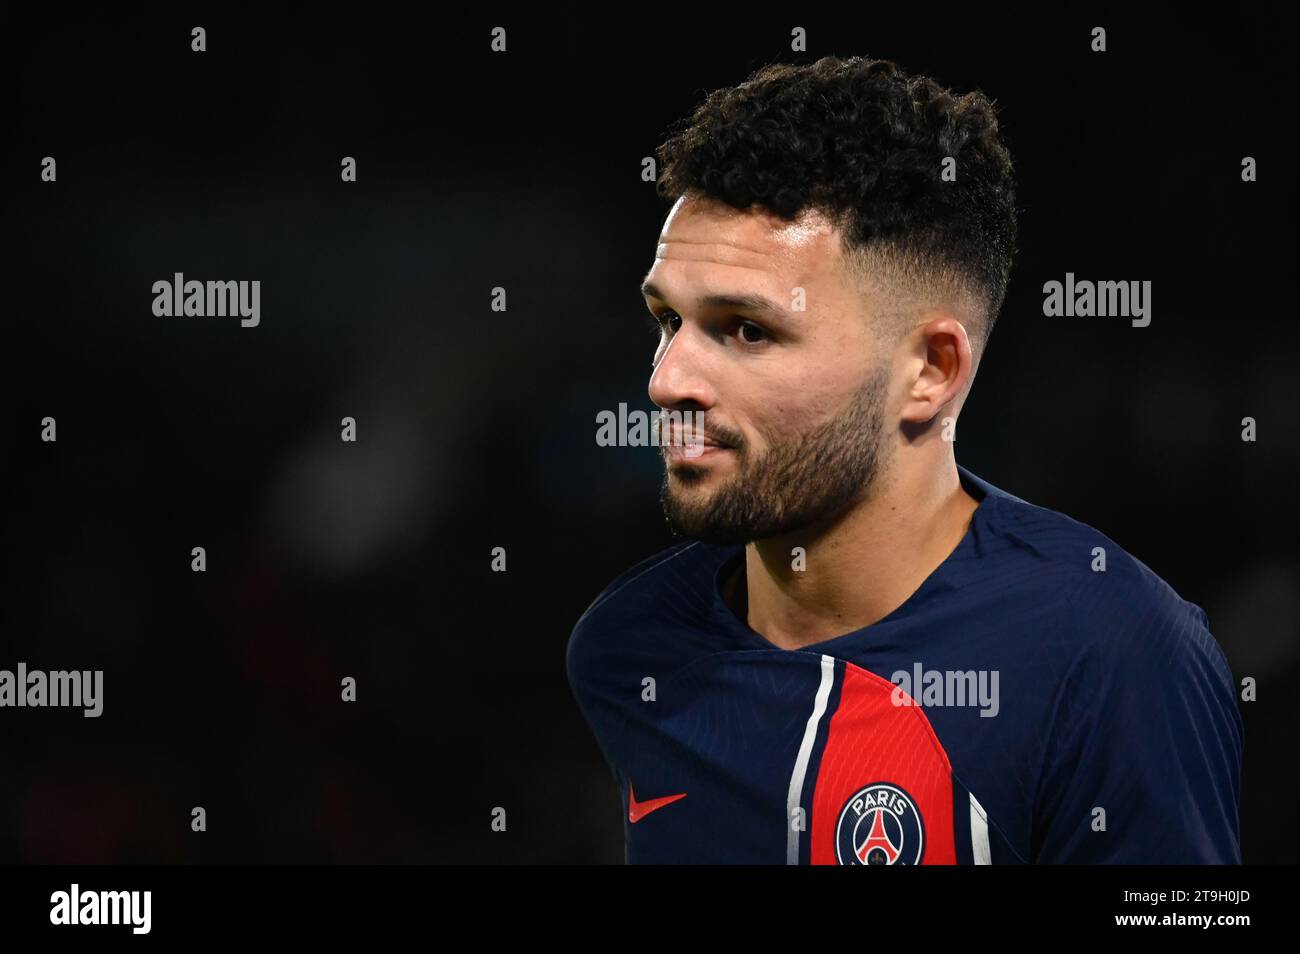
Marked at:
<point>639,810</point>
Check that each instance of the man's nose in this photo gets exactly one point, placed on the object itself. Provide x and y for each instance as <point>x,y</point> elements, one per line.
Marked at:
<point>680,378</point>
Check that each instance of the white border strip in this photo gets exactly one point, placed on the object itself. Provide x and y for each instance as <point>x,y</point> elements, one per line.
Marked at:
<point>801,761</point>
<point>979,833</point>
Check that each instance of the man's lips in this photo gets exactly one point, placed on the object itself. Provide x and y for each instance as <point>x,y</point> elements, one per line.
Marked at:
<point>675,438</point>
<point>694,452</point>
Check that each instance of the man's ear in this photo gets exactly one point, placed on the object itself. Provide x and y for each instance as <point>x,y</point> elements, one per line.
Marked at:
<point>944,365</point>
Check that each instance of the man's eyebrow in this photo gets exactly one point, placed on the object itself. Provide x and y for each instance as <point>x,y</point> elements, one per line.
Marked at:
<point>748,302</point>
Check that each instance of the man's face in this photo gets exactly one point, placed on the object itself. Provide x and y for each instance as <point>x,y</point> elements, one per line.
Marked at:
<point>794,401</point>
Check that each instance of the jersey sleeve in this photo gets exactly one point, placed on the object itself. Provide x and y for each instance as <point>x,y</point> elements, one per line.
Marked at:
<point>591,662</point>
<point>1142,762</point>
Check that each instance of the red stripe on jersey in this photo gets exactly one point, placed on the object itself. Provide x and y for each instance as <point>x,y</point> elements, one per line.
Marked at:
<point>871,739</point>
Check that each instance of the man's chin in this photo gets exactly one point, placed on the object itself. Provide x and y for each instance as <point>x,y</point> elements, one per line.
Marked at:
<point>688,515</point>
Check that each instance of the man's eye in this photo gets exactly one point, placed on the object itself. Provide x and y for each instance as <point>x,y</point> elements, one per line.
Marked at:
<point>752,333</point>
<point>667,320</point>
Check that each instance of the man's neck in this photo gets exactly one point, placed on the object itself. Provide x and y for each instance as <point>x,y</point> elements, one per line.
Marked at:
<point>858,568</point>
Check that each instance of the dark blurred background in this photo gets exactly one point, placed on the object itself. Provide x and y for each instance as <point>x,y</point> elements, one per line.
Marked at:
<point>477,428</point>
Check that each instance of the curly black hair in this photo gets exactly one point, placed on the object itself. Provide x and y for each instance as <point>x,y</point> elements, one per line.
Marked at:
<point>865,143</point>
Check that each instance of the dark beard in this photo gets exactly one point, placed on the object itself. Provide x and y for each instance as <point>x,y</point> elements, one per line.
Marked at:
<point>804,481</point>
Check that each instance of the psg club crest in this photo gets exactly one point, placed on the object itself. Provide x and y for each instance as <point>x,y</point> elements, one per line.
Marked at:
<point>880,825</point>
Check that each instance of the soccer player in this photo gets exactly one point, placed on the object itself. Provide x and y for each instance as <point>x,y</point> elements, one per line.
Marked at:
<point>863,653</point>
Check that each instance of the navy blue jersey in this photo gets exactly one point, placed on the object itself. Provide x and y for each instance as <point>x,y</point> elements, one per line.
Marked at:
<point>1024,705</point>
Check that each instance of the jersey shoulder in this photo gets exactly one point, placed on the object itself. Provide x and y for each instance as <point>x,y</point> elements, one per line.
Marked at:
<point>667,595</point>
<point>634,575</point>
<point>1105,589</point>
